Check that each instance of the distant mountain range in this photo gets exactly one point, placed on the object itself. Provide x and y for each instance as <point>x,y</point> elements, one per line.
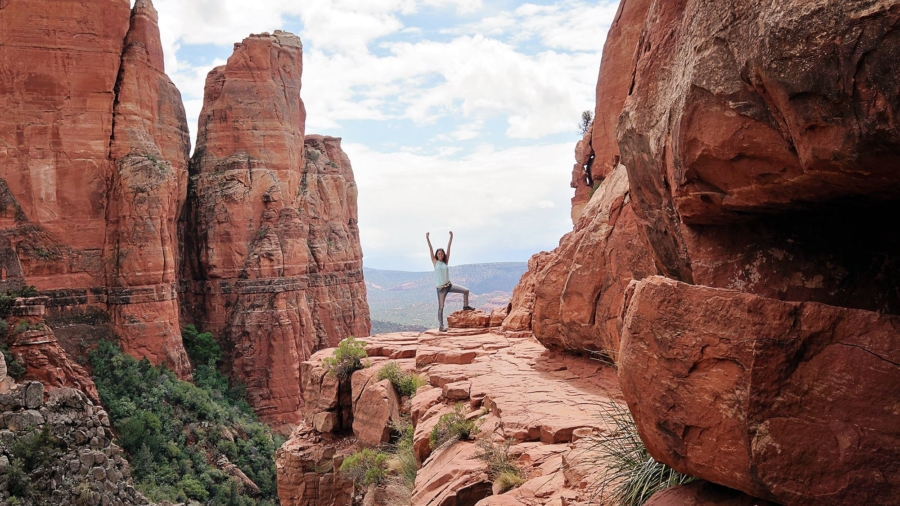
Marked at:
<point>407,300</point>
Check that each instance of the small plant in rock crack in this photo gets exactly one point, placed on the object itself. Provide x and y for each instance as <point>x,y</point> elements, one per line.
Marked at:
<point>404,383</point>
<point>452,426</point>
<point>587,118</point>
<point>366,467</point>
<point>349,357</point>
<point>502,471</point>
<point>631,476</point>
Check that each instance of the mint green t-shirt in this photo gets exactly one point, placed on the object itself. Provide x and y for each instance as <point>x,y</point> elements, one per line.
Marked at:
<point>441,274</point>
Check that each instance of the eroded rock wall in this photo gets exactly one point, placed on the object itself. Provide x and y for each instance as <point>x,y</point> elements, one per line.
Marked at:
<point>273,263</point>
<point>760,145</point>
<point>93,155</point>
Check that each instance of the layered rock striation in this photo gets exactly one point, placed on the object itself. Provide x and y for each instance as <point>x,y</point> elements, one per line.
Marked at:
<point>548,408</point>
<point>272,258</point>
<point>93,156</point>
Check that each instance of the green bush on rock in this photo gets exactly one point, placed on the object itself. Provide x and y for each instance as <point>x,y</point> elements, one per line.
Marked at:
<point>405,383</point>
<point>349,357</point>
<point>452,426</point>
<point>366,467</point>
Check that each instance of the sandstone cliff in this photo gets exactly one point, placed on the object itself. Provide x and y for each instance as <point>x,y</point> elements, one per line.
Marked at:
<point>93,155</point>
<point>273,263</point>
<point>758,148</point>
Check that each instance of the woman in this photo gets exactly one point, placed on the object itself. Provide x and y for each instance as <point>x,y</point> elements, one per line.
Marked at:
<point>442,279</point>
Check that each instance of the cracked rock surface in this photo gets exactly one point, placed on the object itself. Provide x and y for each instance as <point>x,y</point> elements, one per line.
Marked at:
<point>789,401</point>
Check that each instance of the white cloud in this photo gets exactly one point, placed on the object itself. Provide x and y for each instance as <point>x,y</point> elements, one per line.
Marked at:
<point>487,200</point>
<point>532,67</point>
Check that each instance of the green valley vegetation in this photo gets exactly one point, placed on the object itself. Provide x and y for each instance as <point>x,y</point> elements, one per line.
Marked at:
<point>181,436</point>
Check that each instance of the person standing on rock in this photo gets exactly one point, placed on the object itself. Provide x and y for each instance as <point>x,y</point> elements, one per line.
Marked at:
<point>442,279</point>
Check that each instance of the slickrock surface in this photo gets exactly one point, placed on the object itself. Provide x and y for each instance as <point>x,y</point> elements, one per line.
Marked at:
<point>512,386</point>
<point>783,400</point>
<point>272,252</point>
<point>580,289</point>
<point>89,208</point>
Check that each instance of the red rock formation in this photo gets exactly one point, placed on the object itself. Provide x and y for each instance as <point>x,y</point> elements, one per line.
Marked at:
<point>271,242</point>
<point>782,400</point>
<point>477,319</point>
<point>35,346</point>
<point>702,493</point>
<point>150,148</point>
<point>89,209</point>
<point>598,151</point>
<point>739,111</point>
<point>579,288</point>
<point>511,387</point>
<point>308,471</point>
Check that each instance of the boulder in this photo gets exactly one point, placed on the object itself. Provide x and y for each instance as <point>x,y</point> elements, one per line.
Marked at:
<point>703,493</point>
<point>374,413</point>
<point>455,478</point>
<point>580,289</point>
<point>476,319</point>
<point>34,394</point>
<point>457,391</point>
<point>760,144</point>
<point>522,303</point>
<point>308,472</point>
<point>498,315</point>
<point>782,400</point>
<point>325,421</point>
<point>426,397</point>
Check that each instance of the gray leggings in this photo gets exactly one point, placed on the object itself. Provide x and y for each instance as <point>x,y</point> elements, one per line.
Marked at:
<point>442,295</point>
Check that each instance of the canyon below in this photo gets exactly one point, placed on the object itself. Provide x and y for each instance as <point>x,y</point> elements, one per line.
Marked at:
<point>192,324</point>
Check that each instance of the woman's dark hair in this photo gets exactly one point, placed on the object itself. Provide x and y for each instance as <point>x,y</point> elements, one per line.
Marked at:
<point>446,256</point>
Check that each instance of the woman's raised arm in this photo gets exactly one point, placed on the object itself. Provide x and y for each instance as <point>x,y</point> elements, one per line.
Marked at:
<point>448,246</point>
<point>430,249</point>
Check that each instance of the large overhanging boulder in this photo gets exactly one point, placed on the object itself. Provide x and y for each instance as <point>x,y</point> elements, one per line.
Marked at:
<point>789,401</point>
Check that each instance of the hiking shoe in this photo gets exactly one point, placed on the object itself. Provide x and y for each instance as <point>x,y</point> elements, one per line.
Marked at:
<point>468,308</point>
<point>442,329</point>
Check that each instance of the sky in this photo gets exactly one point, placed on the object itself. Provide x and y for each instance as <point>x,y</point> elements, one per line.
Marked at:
<point>457,115</point>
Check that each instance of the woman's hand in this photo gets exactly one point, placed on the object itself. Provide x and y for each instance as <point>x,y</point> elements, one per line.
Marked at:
<point>451,234</point>
<point>428,235</point>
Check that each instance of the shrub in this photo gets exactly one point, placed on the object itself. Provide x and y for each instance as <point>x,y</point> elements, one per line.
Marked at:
<point>452,426</point>
<point>201,348</point>
<point>505,474</point>
<point>366,467</point>
<point>405,383</point>
<point>14,368</point>
<point>348,358</point>
<point>587,117</point>
<point>404,453</point>
<point>631,475</point>
<point>173,430</point>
